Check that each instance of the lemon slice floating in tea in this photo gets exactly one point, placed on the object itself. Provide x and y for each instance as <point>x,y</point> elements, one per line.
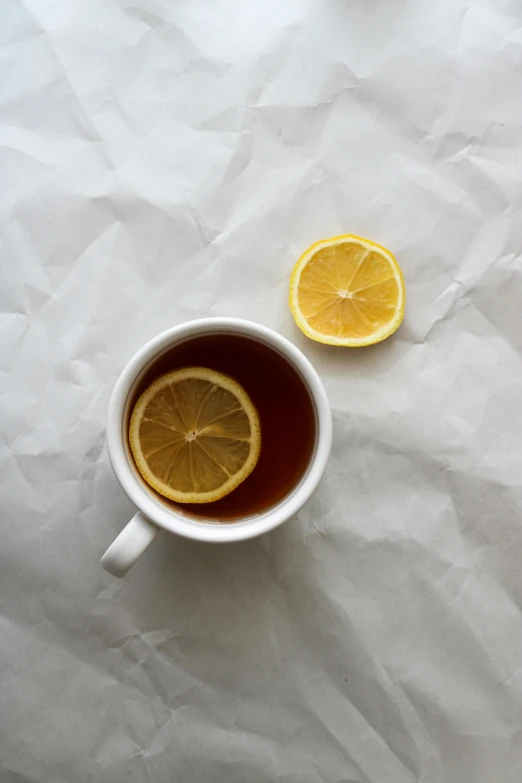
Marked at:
<point>347,291</point>
<point>195,435</point>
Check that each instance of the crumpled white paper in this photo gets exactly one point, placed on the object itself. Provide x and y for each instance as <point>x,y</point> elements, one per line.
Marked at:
<point>164,161</point>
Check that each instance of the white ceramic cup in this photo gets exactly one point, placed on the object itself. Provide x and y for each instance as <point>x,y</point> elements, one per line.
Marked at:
<point>152,514</point>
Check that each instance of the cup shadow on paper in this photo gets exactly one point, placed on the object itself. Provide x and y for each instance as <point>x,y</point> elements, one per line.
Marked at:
<point>368,360</point>
<point>220,597</point>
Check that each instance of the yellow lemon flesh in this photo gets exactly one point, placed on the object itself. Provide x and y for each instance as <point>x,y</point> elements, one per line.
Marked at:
<point>347,291</point>
<point>195,435</point>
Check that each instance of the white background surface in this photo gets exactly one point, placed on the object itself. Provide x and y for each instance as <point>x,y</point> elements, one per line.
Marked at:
<point>170,160</point>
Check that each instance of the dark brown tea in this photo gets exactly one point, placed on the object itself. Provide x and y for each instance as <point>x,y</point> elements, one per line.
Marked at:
<point>285,408</point>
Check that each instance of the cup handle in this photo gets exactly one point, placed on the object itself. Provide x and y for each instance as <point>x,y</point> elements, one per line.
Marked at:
<point>129,546</point>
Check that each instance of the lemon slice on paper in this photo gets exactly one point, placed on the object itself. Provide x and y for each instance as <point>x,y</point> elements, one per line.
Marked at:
<point>347,291</point>
<point>195,435</point>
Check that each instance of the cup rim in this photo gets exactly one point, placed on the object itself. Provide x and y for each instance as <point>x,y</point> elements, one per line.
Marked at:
<point>197,529</point>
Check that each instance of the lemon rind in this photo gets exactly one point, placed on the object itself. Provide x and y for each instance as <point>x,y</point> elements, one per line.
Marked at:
<point>350,342</point>
<point>213,376</point>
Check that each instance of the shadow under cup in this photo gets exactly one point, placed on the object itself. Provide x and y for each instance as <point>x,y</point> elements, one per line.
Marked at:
<point>287,412</point>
